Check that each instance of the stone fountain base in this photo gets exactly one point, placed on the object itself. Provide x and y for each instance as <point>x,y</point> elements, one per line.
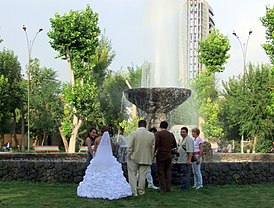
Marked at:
<point>157,102</point>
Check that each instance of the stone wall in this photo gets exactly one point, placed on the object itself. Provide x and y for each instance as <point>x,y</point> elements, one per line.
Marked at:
<point>216,157</point>
<point>72,171</point>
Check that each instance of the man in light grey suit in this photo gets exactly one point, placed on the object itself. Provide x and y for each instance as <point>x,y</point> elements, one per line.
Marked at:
<point>141,145</point>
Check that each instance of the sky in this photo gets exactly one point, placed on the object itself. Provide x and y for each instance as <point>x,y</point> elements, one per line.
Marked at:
<point>125,25</point>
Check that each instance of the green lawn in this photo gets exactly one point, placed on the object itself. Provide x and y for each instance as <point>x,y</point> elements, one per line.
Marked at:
<point>27,194</point>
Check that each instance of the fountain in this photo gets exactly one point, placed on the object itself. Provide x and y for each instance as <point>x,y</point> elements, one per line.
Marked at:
<point>156,101</point>
<point>161,89</point>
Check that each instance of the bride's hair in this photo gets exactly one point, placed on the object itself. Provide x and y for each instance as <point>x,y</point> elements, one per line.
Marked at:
<point>104,128</point>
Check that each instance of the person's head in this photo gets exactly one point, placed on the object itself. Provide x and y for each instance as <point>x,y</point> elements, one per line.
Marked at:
<point>195,132</point>
<point>163,125</point>
<point>142,123</point>
<point>104,128</point>
<point>153,130</point>
<point>92,132</point>
<point>184,131</point>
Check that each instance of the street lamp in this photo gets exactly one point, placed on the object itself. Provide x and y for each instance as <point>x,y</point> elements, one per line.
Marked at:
<point>244,52</point>
<point>30,45</point>
<point>243,47</point>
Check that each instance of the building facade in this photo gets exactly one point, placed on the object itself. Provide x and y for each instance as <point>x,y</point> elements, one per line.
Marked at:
<point>196,21</point>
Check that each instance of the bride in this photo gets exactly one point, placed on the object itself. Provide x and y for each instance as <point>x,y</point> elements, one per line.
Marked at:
<point>104,176</point>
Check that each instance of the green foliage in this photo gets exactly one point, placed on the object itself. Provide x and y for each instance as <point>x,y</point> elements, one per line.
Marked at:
<point>4,94</point>
<point>66,124</point>
<point>246,102</point>
<point>210,112</point>
<point>45,103</point>
<point>78,31</point>
<point>206,97</point>
<point>271,105</point>
<point>204,86</point>
<point>102,59</point>
<point>268,22</point>
<point>264,145</point>
<point>134,76</point>
<point>213,51</point>
<point>75,37</point>
<point>213,54</point>
<point>12,94</point>
<point>111,98</point>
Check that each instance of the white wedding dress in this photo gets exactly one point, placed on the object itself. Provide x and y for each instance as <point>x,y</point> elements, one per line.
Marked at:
<point>104,176</point>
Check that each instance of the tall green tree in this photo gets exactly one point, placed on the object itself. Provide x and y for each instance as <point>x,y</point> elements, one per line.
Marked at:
<point>246,102</point>
<point>111,98</point>
<point>213,51</point>
<point>10,70</point>
<point>207,99</point>
<point>268,22</point>
<point>4,113</point>
<point>45,103</point>
<point>75,37</point>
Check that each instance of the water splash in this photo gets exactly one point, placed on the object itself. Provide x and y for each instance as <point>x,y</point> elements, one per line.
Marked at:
<point>163,19</point>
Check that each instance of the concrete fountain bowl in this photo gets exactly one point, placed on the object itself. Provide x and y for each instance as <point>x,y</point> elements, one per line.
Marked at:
<point>158,99</point>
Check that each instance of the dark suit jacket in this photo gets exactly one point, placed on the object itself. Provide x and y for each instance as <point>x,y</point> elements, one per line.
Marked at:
<point>165,141</point>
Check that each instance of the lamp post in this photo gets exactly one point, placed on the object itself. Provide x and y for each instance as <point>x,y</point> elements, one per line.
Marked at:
<point>30,45</point>
<point>244,52</point>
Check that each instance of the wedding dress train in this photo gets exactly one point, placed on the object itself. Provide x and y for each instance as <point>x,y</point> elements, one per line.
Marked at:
<point>104,176</point>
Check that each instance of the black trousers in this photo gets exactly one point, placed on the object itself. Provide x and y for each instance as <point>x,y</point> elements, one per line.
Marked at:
<point>164,174</point>
<point>186,177</point>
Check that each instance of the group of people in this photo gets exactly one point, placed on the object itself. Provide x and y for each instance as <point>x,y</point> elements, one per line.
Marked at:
<point>190,150</point>
<point>104,177</point>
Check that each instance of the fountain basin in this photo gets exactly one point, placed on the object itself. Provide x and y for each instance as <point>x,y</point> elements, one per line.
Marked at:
<point>158,99</point>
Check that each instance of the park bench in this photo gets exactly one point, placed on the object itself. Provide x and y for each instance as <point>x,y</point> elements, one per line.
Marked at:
<point>46,149</point>
<point>83,149</point>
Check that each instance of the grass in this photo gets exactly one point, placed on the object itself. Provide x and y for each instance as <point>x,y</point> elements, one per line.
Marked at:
<point>26,194</point>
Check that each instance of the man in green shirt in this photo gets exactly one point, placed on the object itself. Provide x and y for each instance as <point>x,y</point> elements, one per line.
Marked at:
<point>186,149</point>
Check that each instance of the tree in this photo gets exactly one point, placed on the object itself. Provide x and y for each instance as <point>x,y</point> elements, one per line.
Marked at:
<point>246,104</point>
<point>102,59</point>
<point>135,75</point>
<point>268,22</point>
<point>111,98</point>
<point>213,54</point>
<point>213,51</point>
<point>271,87</point>
<point>75,37</point>
<point>4,115</point>
<point>206,97</point>
<point>10,70</point>
<point>46,106</point>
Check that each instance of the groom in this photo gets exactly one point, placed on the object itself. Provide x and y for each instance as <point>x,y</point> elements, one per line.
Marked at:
<point>140,155</point>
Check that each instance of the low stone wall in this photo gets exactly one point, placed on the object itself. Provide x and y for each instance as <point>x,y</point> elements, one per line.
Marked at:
<point>216,157</point>
<point>231,173</point>
<point>70,168</point>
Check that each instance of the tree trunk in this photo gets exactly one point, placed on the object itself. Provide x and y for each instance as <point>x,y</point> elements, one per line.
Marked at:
<point>44,137</point>
<point>254,144</point>
<point>72,79</point>
<point>64,139</point>
<point>2,140</point>
<point>76,121</point>
<point>14,131</point>
<point>22,129</point>
<point>76,126</point>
